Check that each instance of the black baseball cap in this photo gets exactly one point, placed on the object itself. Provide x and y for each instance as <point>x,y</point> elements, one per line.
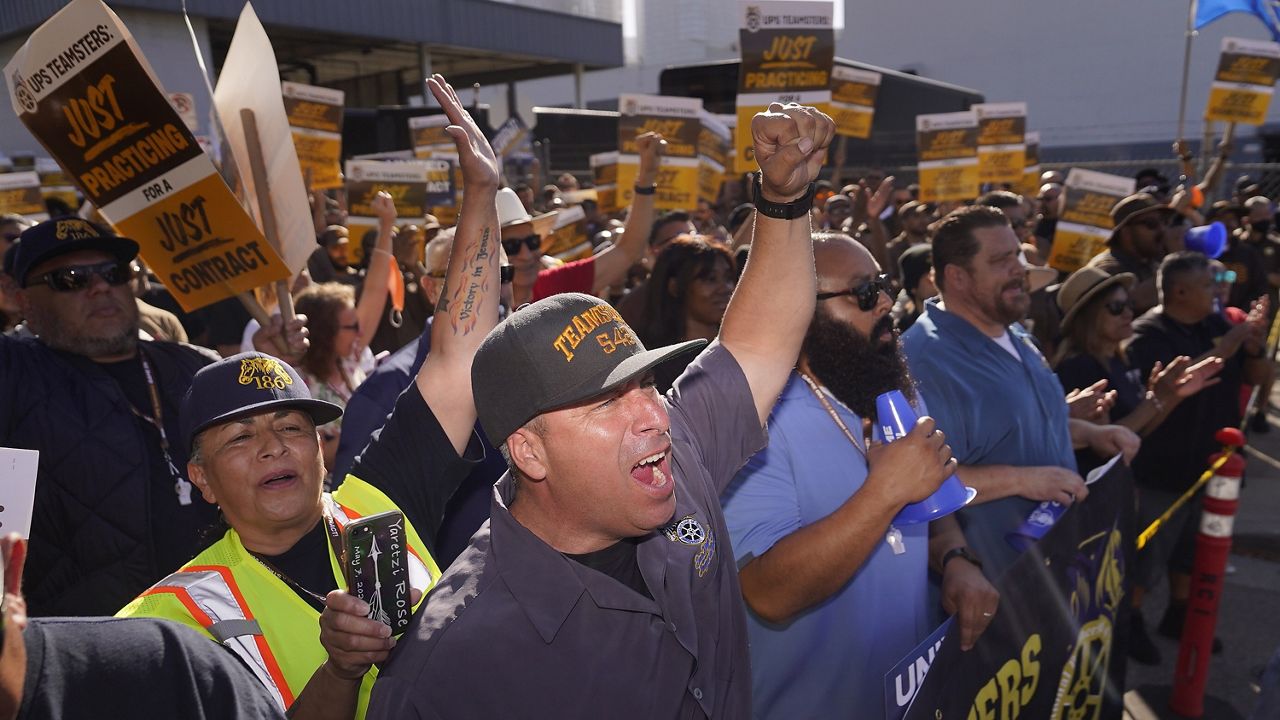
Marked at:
<point>247,384</point>
<point>63,235</point>
<point>556,352</point>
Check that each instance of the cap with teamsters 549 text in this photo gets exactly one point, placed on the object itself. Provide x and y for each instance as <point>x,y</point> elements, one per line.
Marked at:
<point>556,352</point>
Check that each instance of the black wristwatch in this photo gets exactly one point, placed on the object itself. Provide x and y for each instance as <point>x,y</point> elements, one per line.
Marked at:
<point>645,189</point>
<point>960,552</point>
<point>782,211</point>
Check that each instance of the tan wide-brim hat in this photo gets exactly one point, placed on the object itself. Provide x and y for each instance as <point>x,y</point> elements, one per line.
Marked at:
<point>511,212</point>
<point>1084,285</point>
<point>1136,206</point>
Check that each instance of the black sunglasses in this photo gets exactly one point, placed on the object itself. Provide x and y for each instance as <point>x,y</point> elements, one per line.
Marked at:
<point>1117,307</point>
<point>77,277</point>
<point>868,292</point>
<point>512,245</point>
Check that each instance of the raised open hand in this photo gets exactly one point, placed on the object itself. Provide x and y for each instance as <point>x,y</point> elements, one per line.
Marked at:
<point>476,158</point>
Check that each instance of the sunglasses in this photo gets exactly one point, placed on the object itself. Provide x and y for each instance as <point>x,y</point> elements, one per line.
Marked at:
<point>867,293</point>
<point>512,245</point>
<point>77,277</point>
<point>1117,307</point>
<point>1149,223</point>
<point>506,273</point>
<point>1226,276</point>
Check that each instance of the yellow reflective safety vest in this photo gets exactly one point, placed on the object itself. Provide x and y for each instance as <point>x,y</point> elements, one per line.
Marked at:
<point>231,597</point>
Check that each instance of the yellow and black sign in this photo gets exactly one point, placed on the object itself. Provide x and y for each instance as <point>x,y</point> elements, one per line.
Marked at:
<point>947,152</point>
<point>315,121</point>
<point>678,119</point>
<point>1085,222</point>
<point>1246,78</point>
<point>604,175</point>
<point>788,49</point>
<point>415,187</point>
<point>715,150</point>
<point>82,87</point>
<point>853,100</point>
<point>426,132</point>
<point>1002,142</point>
<point>55,184</point>
<point>1030,185</point>
<point>20,193</point>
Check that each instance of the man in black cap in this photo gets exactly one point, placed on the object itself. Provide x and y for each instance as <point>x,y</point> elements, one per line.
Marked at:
<point>604,584</point>
<point>115,510</point>
<point>250,424</point>
<point>1137,244</point>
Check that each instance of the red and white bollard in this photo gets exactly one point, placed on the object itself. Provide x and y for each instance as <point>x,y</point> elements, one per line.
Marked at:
<point>1221,498</point>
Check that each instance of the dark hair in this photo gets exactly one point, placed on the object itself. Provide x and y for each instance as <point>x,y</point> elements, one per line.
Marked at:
<point>1002,199</point>
<point>667,217</point>
<point>1177,265</point>
<point>322,304</point>
<point>683,260</point>
<point>521,187</point>
<point>332,234</point>
<point>953,240</point>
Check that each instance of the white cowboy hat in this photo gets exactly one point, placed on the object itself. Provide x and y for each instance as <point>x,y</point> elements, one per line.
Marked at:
<point>511,212</point>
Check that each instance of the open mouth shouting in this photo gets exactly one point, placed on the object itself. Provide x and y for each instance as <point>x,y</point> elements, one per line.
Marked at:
<point>653,473</point>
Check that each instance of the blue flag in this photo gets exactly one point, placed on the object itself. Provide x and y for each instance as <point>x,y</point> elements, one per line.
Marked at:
<point>1268,11</point>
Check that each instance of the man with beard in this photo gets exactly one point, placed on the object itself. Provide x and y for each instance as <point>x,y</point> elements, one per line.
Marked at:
<point>811,516</point>
<point>1136,245</point>
<point>991,390</point>
<point>115,511</point>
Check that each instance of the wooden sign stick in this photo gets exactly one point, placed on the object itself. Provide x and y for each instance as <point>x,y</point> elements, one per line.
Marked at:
<point>259,167</point>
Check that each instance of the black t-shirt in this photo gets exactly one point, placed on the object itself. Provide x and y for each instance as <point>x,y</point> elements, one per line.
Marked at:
<point>411,461</point>
<point>618,561</point>
<point>1080,371</point>
<point>1178,450</point>
<point>176,535</point>
<point>134,668</point>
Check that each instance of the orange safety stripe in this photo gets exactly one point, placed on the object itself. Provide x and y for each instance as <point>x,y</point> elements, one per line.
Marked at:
<point>273,667</point>
<point>185,598</point>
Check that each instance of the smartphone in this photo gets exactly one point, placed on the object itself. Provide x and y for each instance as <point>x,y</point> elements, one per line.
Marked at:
<point>377,567</point>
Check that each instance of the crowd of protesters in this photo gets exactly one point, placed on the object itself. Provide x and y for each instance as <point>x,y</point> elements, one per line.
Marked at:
<point>671,509</point>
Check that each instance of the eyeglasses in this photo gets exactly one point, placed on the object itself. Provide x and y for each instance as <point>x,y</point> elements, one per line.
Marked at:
<point>1117,307</point>
<point>77,277</point>
<point>1149,223</point>
<point>512,245</point>
<point>868,292</point>
<point>1226,276</point>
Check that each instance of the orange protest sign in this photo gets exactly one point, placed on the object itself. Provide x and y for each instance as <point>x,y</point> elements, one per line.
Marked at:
<point>82,87</point>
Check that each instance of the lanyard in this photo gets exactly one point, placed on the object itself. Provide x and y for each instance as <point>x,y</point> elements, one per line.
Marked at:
<point>894,536</point>
<point>181,485</point>
<point>335,541</point>
<point>826,404</point>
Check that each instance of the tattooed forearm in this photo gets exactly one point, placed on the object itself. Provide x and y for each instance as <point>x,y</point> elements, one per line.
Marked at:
<point>463,302</point>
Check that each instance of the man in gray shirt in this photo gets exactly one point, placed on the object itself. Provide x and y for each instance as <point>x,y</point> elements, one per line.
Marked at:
<point>604,584</point>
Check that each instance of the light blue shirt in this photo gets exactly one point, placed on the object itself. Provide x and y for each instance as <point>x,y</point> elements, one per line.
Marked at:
<point>830,660</point>
<point>995,410</point>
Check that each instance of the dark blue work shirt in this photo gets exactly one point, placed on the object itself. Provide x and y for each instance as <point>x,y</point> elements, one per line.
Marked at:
<point>994,409</point>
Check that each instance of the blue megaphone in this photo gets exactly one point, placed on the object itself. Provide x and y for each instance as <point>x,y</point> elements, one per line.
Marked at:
<point>1209,240</point>
<point>895,418</point>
